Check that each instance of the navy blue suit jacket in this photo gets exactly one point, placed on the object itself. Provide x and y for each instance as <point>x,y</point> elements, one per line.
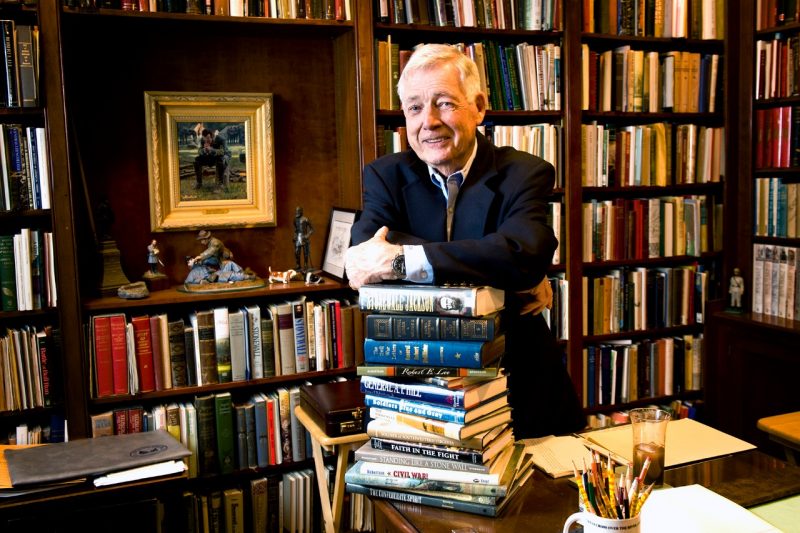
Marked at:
<point>500,238</point>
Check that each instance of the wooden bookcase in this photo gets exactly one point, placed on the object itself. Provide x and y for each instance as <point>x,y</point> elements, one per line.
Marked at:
<point>753,360</point>
<point>572,194</point>
<point>37,221</point>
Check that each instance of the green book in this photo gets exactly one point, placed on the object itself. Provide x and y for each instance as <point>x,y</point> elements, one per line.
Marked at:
<point>206,435</point>
<point>225,445</point>
<point>8,283</point>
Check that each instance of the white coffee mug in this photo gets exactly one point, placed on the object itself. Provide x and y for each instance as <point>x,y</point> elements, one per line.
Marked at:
<point>597,524</point>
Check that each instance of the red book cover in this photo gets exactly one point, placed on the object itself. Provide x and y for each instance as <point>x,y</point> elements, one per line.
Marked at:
<point>786,141</point>
<point>271,430</point>
<point>337,306</point>
<point>155,346</point>
<point>135,419</point>
<point>119,354</point>
<point>759,154</point>
<point>777,137</point>
<point>120,421</point>
<point>782,73</point>
<point>588,11</point>
<point>612,18</point>
<point>643,232</point>
<point>661,386</point>
<point>638,229</point>
<point>102,356</point>
<point>619,228</point>
<point>144,353</point>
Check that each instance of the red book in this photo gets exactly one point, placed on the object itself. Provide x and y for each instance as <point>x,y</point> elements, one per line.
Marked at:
<point>144,353</point>
<point>786,140</point>
<point>101,326</point>
<point>119,353</point>
<point>759,138</point>
<point>776,137</point>
<point>135,419</point>
<point>120,421</point>
<point>594,58</point>
<point>271,430</point>
<point>155,345</point>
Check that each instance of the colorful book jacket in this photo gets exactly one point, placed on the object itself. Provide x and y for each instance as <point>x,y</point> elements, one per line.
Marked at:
<point>433,451</point>
<point>412,478</point>
<point>421,372</point>
<point>412,391</point>
<point>431,501</point>
<point>435,412</point>
<point>430,299</point>
<point>422,327</point>
<point>464,354</point>
<point>371,454</point>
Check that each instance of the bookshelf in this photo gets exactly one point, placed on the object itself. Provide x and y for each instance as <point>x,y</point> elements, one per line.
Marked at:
<point>33,381</point>
<point>573,192</point>
<point>754,351</point>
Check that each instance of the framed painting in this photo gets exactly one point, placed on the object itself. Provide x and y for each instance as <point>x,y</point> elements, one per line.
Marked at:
<point>338,241</point>
<point>210,160</point>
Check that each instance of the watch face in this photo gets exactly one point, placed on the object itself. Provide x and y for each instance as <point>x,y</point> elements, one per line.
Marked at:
<point>399,265</point>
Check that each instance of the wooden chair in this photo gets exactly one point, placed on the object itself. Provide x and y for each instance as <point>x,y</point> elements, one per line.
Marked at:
<point>785,430</point>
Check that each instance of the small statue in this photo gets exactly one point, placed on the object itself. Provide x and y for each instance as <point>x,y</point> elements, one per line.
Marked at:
<point>736,289</point>
<point>284,276</point>
<point>215,264</point>
<point>302,232</point>
<point>152,257</point>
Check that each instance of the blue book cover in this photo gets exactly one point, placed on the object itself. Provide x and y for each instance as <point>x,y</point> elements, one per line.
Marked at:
<point>435,412</point>
<point>464,354</point>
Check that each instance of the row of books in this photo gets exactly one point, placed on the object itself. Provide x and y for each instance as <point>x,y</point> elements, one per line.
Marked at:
<point>25,166</point>
<point>775,280</point>
<point>557,316</point>
<point>636,299</point>
<point>777,137</point>
<point>222,345</point>
<point>27,271</point>
<point>641,81</point>
<point>514,77</point>
<point>223,435</point>
<point>627,371</point>
<point>694,19</point>
<point>542,140</point>
<point>771,13</point>
<point>623,228</point>
<point>777,65</point>
<point>678,408</point>
<point>534,15</point>
<point>30,371</point>
<point>659,154</point>
<point>50,432</point>
<point>776,204</point>
<point>285,9</point>
<point>282,502</point>
<point>19,47</point>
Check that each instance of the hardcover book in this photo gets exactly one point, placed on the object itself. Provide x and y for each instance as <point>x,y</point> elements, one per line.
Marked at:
<point>460,398</point>
<point>466,354</point>
<point>430,300</point>
<point>338,406</point>
<point>413,327</point>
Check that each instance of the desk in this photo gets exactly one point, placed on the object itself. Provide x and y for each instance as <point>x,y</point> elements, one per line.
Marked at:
<point>747,478</point>
<point>331,511</point>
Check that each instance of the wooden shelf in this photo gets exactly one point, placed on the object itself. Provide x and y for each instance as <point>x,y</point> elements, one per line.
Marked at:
<point>655,333</point>
<point>652,190</point>
<point>652,261</point>
<point>686,395</point>
<point>769,322</point>
<point>49,312</point>
<point>440,33</point>
<point>779,241</point>
<point>176,297</point>
<point>793,27</point>
<point>270,382</point>
<point>778,172</point>
<point>631,117</point>
<point>776,102</point>
<point>653,43</point>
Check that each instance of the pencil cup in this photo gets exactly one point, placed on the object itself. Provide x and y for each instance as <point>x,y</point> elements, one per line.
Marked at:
<point>649,440</point>
<point>597,524</point>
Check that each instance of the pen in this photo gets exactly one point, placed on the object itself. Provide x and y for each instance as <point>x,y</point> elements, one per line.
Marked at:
<point>645,467</point>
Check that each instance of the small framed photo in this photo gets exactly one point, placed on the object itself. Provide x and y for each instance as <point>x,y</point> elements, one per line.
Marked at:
<point>210,160</point>
<point>338,241</point>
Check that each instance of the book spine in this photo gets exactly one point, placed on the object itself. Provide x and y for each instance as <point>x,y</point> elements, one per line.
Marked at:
<point>423,393</point>
<point>10,58</point>
<point>488,493</point>
<point>411,407</point>
<point>467,354</point>
<point>425,371</point>
<point>415,327</point>
<point>431,501</point>
<point>26,58</point>
<point>144,353</point>
<point>424,300</point>
<point>102,356</point>
<point>429,451</point>
<point>206,436</point>
<point>177,353</point>
<point>207,346</point>
<point>223,412</point>
<point>267,347</point>
<point>300,338</point>
<point>8,287</point>
<point>222,339</point>
<point>437,427</point>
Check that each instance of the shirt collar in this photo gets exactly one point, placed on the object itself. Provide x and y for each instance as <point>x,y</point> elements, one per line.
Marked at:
<point>441,181</point>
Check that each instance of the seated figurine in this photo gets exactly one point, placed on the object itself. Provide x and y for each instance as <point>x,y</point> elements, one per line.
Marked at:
<point>215,264</point>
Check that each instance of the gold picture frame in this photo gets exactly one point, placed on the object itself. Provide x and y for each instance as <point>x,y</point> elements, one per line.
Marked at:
<point>210,160</point>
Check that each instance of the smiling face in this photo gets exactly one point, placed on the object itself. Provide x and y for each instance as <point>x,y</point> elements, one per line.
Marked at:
<point>440,120</point>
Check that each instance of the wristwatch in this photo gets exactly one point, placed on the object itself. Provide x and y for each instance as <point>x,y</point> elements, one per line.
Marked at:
<point>399,265</point>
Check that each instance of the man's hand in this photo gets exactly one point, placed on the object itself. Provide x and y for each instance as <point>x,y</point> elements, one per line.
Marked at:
<point>536,299</point>
<point>371,261</point>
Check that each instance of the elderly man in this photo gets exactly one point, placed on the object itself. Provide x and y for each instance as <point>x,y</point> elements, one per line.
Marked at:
<point>455,208</point>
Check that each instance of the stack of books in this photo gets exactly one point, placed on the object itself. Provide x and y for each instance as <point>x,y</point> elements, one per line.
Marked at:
<point>440,422</point>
